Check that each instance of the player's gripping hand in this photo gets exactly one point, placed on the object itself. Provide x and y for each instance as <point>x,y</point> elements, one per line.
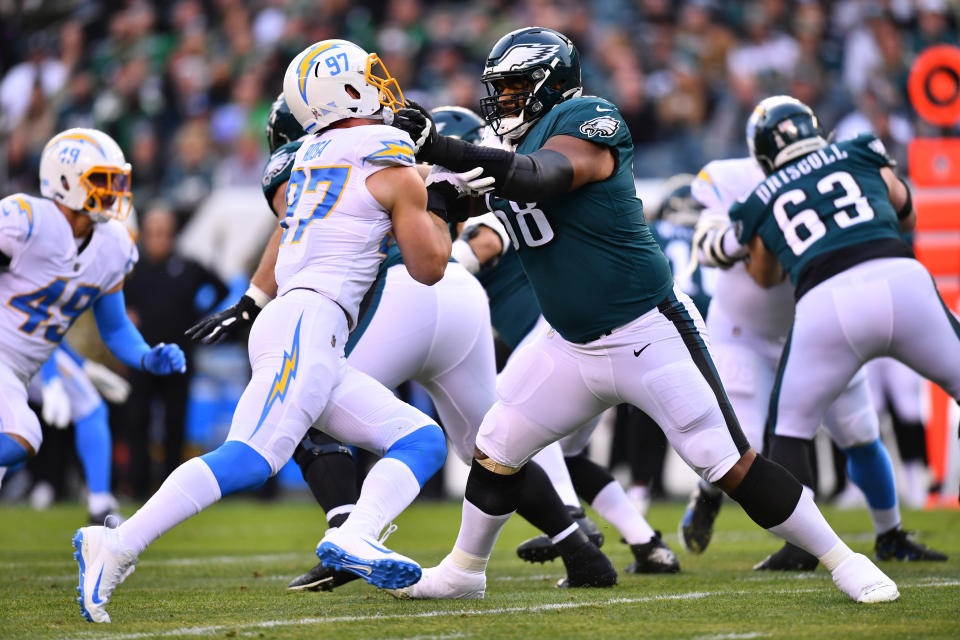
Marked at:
<point>164,359</point>
<point>418,123</point>
<point>56,404</point>
<point>218,326</point>
<point>111,386</point>
<point>445,199</point>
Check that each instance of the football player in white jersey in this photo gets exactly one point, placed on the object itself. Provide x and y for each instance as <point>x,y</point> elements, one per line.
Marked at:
<point>439,336</point>
<point>748,328</point>
<point>60,255</point>
<point>353,182</point>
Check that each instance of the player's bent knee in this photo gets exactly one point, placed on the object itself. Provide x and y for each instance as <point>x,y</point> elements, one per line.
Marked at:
<point>493,493</point>
<point>315,445</point>
<point>768,493</point>
<point>237,467</point>
<point>13,449</point>
<point>424,451</point>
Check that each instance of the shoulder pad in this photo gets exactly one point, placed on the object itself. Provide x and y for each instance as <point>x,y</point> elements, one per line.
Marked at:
<point>18,216</point>
<point>873,145</point>
<point>386,146</point>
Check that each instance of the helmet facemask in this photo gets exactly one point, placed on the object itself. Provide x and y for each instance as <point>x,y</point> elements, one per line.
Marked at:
<point>377,76</point>
<point>108,192</point>
<point>513,105</point>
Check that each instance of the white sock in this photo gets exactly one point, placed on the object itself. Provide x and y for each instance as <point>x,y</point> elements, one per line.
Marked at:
<point>806,527</point>
<point>478,533</point>
<point>388,489</point>
<point>551,459</point>
<point>885,519</point>
<point>100,502</point>
<point>190,489</point>
<point>616,508</point>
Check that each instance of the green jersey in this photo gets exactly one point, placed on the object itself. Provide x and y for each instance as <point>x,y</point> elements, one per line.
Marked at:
<point>277,170</point>
<point>824,212</point>
<point>588,253</point>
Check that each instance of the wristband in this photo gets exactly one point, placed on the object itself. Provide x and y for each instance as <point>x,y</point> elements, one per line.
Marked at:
<point>259,297</point>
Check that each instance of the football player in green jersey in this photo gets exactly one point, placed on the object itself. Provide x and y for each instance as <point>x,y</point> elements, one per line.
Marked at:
<point>830,216</point>
<point>621,331</point>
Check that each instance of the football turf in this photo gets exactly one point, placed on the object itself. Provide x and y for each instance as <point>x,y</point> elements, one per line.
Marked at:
<point>224,574</point>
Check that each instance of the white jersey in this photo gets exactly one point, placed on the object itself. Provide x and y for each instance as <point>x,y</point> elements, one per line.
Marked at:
<point>334,228</point>
<point>49,281</point>
<point>765,312</point>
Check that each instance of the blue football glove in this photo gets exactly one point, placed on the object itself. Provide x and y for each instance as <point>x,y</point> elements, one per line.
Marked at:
<point>164,359</point>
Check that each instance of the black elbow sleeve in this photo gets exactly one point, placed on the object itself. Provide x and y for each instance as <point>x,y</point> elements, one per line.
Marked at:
<point>907,204</point>
<point>519,177</point>
<point>540,175</point>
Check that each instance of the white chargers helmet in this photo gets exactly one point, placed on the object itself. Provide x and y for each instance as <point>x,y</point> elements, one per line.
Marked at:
<point>84,169</point>
<point>335,79</point>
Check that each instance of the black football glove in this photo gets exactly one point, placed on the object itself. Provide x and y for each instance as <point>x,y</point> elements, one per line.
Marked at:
<point>444,200</point>
<point>218,326</point>
<point>418,123</point>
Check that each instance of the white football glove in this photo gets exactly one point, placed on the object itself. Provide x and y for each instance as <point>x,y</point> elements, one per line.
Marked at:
<point>56,404</point>
<point>114,388</point>
<point>470,183</point>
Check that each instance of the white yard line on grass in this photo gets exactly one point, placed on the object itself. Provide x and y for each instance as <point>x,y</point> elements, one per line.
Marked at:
<point>177,562</point>
<point>267,624</point>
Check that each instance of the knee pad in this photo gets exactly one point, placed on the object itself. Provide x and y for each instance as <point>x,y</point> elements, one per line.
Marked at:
<point>424,451</point>
<point>493,493</point>
<point>768,493</point>
<point>237,467</point>
<point>315,444</point>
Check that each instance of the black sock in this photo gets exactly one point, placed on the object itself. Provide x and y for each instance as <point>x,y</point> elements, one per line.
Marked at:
<point>588,477</point>
<point>793,454</point>
<point>540,505</point>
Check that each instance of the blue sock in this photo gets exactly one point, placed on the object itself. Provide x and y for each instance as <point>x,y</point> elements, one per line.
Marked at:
<point>237,467</point>
<point>424,451</point>
<point>93,443</point>
<point>870,469</point>
<point>11,451</point>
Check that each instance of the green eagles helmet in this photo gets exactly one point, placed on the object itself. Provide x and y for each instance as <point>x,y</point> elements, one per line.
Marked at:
<point>458,122</point>
<point>678,206</point>
<point>781,129</point>
<point>282,127</point>
<point>527,73</point>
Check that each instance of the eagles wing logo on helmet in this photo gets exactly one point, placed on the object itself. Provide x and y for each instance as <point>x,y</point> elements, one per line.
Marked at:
<point>604,126</point>
<point>525,55</point>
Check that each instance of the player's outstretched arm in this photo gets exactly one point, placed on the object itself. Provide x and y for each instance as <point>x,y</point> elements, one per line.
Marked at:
<point>763,265</point>
<point>125,342</point>
<point>423,238</point>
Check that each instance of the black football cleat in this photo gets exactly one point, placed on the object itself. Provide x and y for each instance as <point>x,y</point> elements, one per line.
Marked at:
<point>542,549</point>
<point>898,544</point>
<point>587,566</point>
<point>696,526</point>
<point>321,578</point>
<point>788,558</point>
<point>653,557</point>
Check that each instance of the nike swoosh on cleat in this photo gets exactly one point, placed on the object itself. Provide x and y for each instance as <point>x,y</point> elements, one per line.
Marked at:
<point>96,589</point>
<point>359,567</point>
<point>637,353</point>
<point>380,549</point>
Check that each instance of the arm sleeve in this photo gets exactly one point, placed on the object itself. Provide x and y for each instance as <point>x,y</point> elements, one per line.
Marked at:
<point>118,333</point>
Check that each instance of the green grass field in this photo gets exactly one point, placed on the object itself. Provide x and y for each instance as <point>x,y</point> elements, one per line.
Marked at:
<point>224,574</point>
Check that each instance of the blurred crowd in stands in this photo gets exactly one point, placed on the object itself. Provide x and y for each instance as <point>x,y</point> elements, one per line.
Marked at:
<point>185,87</point>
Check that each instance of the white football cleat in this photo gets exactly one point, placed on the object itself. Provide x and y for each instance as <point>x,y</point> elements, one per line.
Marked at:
<point>366,557</point>
<point>103,566</point>
<point>860,579</point>
<point>445,581</point>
